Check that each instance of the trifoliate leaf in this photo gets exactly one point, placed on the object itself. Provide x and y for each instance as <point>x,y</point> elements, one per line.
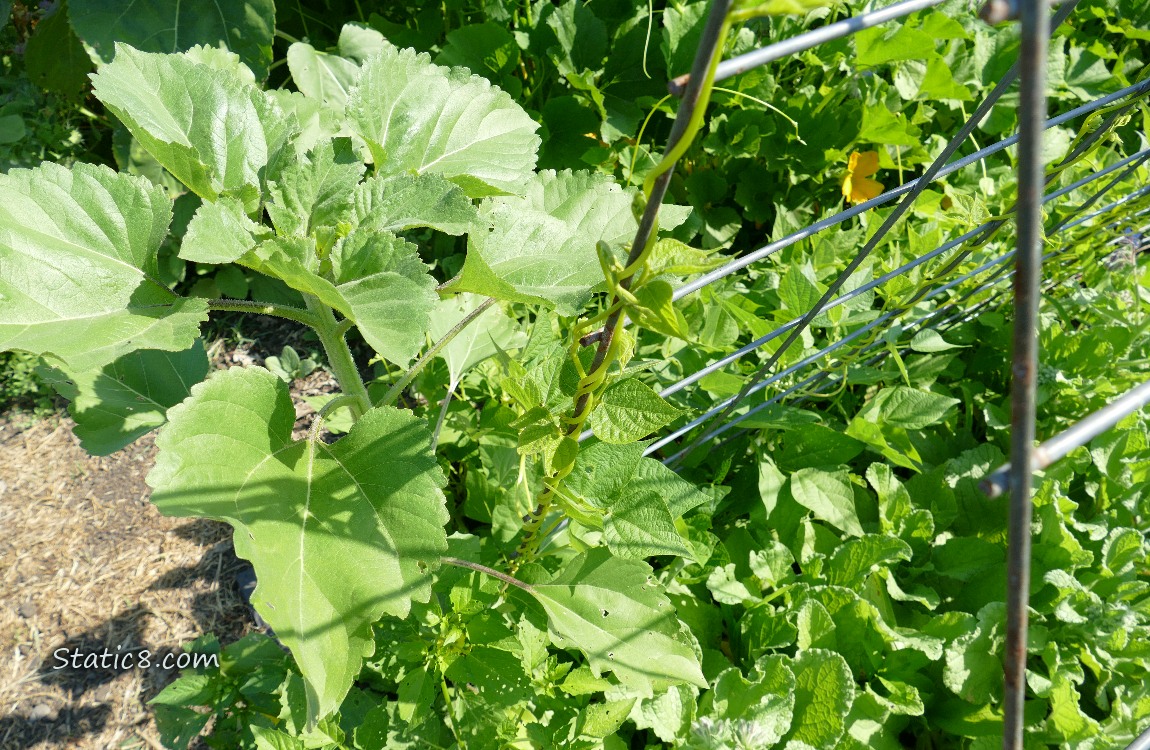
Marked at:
<point>115,405</point>
<point>630,410</point>
<point>90,237</point>
<point>541,248</point>
<point>419,117</point>
<point>213,131</point>
<point>617,614</point>
<point>407,201</point>
<point>829,495</point>
<point>339,535</point>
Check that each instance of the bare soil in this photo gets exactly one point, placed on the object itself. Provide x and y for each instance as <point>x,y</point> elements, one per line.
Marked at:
<point>87,563</point>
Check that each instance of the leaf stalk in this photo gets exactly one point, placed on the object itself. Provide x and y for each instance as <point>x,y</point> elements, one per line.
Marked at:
<point>392,394</point>
<point>287,312</point>
<point>332,335</point>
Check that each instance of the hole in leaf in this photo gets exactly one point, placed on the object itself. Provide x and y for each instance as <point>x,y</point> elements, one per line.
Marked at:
<point>605,613</point>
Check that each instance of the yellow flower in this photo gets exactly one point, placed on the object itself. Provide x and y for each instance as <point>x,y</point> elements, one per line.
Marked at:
<point>856,187</point>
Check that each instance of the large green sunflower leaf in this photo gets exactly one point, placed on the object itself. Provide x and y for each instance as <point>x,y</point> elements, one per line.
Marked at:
<point>339,534</point>
<point>78,271</point>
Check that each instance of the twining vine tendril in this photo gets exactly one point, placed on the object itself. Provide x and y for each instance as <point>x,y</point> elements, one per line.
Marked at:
<point>622,281</point>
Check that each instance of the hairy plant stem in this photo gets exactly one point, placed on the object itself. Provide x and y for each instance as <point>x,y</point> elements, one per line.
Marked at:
<point>286,312</point>
<point>484,569</point>
<point>331,335</point>
<point>393,393</point>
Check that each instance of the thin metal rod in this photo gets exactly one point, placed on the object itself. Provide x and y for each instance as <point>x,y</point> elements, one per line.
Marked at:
<point>992,282</point>
<point>705,417</point>
<point>1086,204</point>
<point>708,46</point>
<point>1078,434</point>
<point>1140,88</point>
<point>1109,207</point>
<point>695,377</point>
<point>1141,742</point>
<point>1032,56</point>
<point>802,42</point>
<point>929,321</point>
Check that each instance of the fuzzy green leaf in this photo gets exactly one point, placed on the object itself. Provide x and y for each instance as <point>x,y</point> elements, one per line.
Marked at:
<point>220,232</point>
<point>640,525</point>
<point>604,474</point>
<point>419,117</point>
<point>325,77</point>
<point>243,26</point>
<point>213,130</point>
<point>377,280</point>
<point>116,404</point>
<point>407,201</point>
<point>339,535</point>
<point>617,614</point>
<point>542,246</point>
<point>315,190</point>
<point>91,237</point>
<point>628,411</point>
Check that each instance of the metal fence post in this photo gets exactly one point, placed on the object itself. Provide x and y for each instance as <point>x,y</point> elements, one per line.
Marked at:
<point>1035,17</point>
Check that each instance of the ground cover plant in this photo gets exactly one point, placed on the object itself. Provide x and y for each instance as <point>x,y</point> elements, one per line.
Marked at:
<point>444,562</point>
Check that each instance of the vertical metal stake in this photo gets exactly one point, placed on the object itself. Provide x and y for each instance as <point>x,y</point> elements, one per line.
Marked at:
<point>1035,17</point>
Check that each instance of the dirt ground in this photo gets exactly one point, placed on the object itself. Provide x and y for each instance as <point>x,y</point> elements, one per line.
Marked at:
<point>87,563</point>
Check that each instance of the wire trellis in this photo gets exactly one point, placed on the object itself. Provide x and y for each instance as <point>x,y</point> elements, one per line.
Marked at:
<point>1029,70</point>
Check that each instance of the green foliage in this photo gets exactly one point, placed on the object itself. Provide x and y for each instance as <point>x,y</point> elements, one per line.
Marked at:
<point>830,578</point>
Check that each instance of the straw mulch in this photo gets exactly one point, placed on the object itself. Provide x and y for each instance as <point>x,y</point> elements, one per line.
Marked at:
<point>88,563</point>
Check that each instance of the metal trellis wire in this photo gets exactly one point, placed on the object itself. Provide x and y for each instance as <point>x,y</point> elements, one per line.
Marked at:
<point>1036,23</point>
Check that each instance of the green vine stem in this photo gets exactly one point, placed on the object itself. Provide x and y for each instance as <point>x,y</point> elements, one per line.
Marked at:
<point>288,312</point>
<point>397,388</point>
<point>331,335</point>
<point>619,282</point>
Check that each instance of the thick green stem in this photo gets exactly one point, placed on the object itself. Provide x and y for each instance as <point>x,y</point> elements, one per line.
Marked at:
<point>331,335</point>
<point>265,308</point>
<point>393,393</point>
